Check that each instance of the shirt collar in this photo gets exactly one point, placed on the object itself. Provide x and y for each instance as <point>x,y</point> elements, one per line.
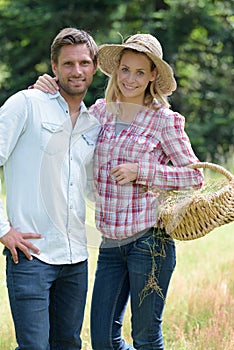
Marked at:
<point>83,108</point>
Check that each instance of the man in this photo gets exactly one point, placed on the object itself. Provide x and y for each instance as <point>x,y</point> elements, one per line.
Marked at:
<point>46,147</point>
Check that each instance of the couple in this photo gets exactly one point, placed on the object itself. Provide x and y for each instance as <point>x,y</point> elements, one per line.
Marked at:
<point>47,143</point>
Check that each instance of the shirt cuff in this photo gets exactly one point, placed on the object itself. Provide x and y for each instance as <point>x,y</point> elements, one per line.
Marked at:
<point>143,174</point>
<point>4,223</point>
<point>4,228</point>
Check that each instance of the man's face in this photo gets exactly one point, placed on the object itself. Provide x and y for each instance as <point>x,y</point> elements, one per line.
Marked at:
<point>74,69</point>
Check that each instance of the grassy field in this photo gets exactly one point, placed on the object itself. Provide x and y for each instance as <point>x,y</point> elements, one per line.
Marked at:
<point>199,312</point>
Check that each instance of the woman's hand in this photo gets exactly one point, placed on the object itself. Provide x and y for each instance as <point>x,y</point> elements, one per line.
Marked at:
<point>125,173</point>
<point>46,83</point>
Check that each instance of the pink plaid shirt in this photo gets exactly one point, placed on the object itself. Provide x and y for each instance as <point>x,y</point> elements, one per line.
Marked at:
<point>152,140</point>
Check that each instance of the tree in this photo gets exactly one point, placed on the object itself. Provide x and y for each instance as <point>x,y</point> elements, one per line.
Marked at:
<point>197,40</point>
<point>27,28</point>
<point>201,37</point>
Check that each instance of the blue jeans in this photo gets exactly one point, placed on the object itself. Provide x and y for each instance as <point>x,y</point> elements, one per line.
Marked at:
<point>142,270</point>
<point>47,303</point>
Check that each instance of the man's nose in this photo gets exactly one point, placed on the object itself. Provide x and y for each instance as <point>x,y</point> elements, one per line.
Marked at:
<point>77,68</point>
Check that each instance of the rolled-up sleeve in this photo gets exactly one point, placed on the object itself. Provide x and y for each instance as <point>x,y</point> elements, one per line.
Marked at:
<point>13,116</point>
<point>12,123</point>
<point>176,149</point>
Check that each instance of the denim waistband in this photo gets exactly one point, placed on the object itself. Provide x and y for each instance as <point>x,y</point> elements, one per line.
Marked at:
<point>111,242</point>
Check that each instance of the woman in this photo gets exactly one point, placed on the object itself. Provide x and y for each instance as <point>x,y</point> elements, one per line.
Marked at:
<point>140,135</point>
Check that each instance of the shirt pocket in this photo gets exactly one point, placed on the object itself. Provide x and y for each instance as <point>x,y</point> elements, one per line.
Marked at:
<point>139,146</point>
<point>90,141</point>
<point>52,138</point>
<point>88,146</point>
<point>83,146</point>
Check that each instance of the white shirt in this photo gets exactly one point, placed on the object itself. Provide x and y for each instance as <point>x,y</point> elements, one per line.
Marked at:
<point>45,169</point>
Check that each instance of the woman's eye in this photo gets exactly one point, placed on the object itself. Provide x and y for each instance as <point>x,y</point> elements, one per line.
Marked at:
<point>124,70</point>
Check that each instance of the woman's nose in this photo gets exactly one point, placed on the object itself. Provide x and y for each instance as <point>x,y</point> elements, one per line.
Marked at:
<point>131,77</point>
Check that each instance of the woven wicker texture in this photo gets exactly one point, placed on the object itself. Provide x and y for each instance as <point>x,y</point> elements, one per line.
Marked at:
<point>198,214</point>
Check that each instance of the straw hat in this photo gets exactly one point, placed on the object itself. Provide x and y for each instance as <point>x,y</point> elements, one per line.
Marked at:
<point>109,57</point>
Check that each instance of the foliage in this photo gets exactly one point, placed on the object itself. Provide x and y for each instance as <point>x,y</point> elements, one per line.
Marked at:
<point>204,66</point>
<point>27,29</point>
<point>196,35</point>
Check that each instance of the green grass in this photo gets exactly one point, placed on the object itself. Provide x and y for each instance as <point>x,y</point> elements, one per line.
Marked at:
<point>200,306</point>
<point>199,313</point>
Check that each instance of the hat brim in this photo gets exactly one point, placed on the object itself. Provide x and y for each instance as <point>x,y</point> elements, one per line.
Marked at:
<point>109,57</point>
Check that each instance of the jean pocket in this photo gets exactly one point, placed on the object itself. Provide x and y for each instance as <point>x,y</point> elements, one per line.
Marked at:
<point>154,243</point>
<point>146,242</point>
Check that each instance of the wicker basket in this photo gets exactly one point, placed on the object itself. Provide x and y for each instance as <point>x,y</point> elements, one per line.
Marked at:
<point>196,215</point>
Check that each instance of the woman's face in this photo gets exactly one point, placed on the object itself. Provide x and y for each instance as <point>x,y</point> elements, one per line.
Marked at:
<point>133,76</point>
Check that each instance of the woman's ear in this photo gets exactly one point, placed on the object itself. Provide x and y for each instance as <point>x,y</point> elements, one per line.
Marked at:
<point>154,74</point>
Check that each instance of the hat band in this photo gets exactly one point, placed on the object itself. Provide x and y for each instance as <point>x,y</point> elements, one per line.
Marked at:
<point>144,45</point>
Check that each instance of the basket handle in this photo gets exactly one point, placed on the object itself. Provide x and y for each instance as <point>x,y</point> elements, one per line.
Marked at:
<point>213,166</point>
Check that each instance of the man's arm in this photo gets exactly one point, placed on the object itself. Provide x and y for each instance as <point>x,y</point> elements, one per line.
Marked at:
<point>11,126</point>
<point>13,239</point>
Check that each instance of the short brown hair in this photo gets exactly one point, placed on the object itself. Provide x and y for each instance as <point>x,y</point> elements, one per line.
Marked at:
<point>73,36</point>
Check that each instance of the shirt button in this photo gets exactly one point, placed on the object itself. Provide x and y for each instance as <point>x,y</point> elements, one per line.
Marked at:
<point>71,184</point>
<point>71,207</point>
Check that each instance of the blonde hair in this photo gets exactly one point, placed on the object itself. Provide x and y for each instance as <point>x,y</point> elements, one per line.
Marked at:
<point>153,95</point>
